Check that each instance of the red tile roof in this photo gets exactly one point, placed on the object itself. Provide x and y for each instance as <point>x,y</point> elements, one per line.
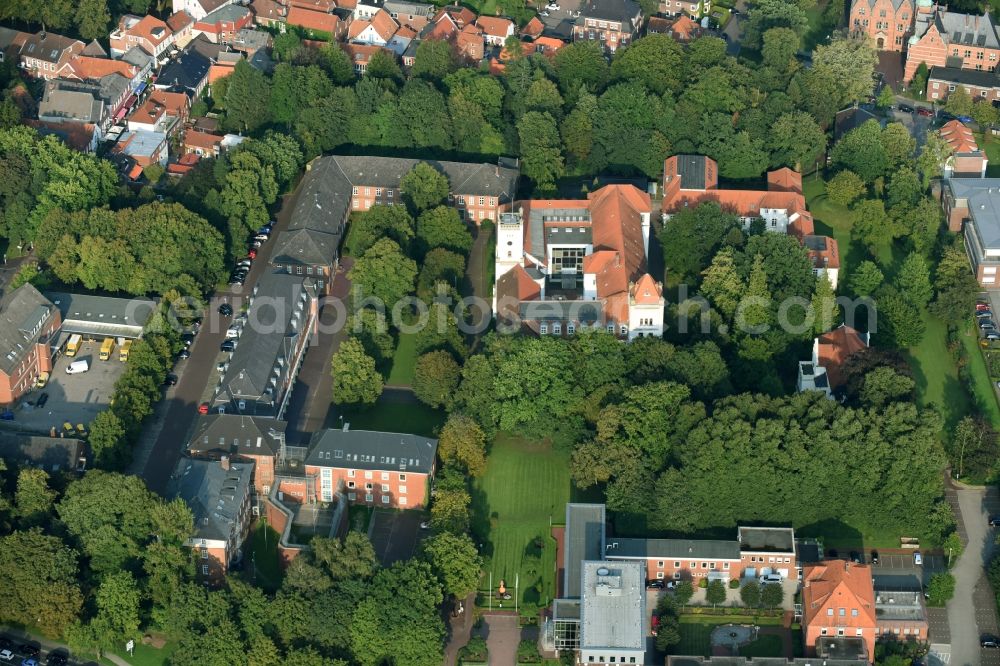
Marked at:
<point>959,137</point>
<point>647,291</point>
<point>135,172</point>
<point>548,45</point>
<point>836,585</point>
<point>383,25</point>
<point>325,6</point>
<point>495,26</point>
<point>784,180</point>
<point>152,29</point>
<point>835,347</point>
<point>684,28</point>
<point>179,21</point>
<point>461,16</point>
<point>533,28</point>
<point>311,20</point>
<point>86,67</point>
<point>196,139</point>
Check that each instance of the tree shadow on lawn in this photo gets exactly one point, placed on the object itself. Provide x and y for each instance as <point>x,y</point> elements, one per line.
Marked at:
<point>835,534</point>
<point>480,522</point>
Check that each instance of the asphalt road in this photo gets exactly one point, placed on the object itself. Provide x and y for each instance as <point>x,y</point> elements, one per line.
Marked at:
<point>47,648</point>
<point>968,571</point>
<point>194,373</point>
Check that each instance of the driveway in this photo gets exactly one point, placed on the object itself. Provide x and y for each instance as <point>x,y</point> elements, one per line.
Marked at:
<point>503,635</point>
<point>915,123</point>
<point>963,613</point>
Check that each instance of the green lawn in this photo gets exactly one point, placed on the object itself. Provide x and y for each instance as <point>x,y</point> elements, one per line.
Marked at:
<point>417,419</point>
<point>991,146</point>
<point>982,385</point>
<point>835,220</point>
<point>145,655</point>
<point>767,645</point>
<point>404,360</point>
<point>844,537</point>
<point>524,491</point>
<point>936,375</point>
<point>696,638</point>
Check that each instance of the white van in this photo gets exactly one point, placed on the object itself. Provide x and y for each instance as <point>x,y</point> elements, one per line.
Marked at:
<point>76,367</point>
<point>770,578</point>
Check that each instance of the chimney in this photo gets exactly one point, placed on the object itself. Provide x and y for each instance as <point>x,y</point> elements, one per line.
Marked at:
<point>224,463</point>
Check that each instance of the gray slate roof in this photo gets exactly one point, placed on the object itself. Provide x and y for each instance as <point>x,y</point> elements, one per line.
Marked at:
<point>983,195</point>
<point>624,11</point>
<point>47,46</point>
<point>236,434</point>
<point>369,449</point>
<point>767,539</point>
<point>23,314</point>
<point>408,8</point>
<point>65,100</point>
<point>268,338</point>
<point>227,13</point>
<point>691,169</point>
<point>613,611</point>
<point>136,56</point>
<point>214,495</point>
<point>584,540</point>
<point>968,30</point>
<point>189,69</point>
<point>971,77</point>
<point>102,315</point>
<point>669,549</point>
<point>94,49</point>
<point>586,312</point>
<point>50,453</point>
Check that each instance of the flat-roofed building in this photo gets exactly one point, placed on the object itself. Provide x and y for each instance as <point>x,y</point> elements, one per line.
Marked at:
<point>613,613</point>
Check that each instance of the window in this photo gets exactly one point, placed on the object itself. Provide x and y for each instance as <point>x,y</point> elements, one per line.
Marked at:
<point>385,476</point>
<point>350,473</point>
<point>711,565</point>
<point>368,486</point>
<point>368,475</point>
<point>659,564</point>
<point>402,501</point>
<point>659,575</point>
<point>378,191</point>
<point>543,329</point>
<point>704,565</point>
<point>385,487</point>
<point>840,632</point>
<point>481,200</point>
<point>556,328</point>
<point>829,612</point>
<point>352,496</point>
<point>402,490</point>
<point>823,631</point>
<point>967,53</point>
<point>368,497</point>
<point>357,204</point>
<point>725,565</point>
<point>624,330</point>
<point>350,484</point>
<point>204,570</point>
<point>677,565</point>
<point>368,191</point>
<point>854,612</point>
<point>493,201</point>
<point>402,477</point>
<point>570,329</point>
<point>951,88</point>
<point>385,499</point>
<point>842,612</point>
<point>204,553</point>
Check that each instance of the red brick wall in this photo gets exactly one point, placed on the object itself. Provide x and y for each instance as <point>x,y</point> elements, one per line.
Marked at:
<point>893,29</point>
<point>395,483</point>
<point>468,205</point>
<point>930,49</point>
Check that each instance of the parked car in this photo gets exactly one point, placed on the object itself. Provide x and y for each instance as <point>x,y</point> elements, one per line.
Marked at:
<point>57,659</point>
<point>203,408</point>
<point>925,112</point>
<point>226,310</point>
<point>855,557</point>
<point>986,323</point>
<point>553,7</point>
<point>905,108</point>
<point>233,332</point>
<point>963,119</point>
<point>184,353</point>
<point>244,263</point>
<point>252,254</point>
<point>222,367</point>
<point>992,335</point>
<point>994,521</point>
<point>770,579</point>
<point>228,346</point>
<point>261,237</point>
<point>29,649</point>
<point>170,380</point>
<point>655,585</point>
<point>918,559</point>
<point>983,313</point>
<point>989,642</point>
<point>874,557</point>
<point>42,399</point>
<point>6,655</point>
<point>29,661</point>
<point>237,281</point>
<point>187,339</point>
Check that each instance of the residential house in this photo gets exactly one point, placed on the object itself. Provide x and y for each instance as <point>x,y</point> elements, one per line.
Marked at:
<point>967,159</point>
<point>361,54</point>
<point>182,25</point>
<point>613,613</point>
<point>767,550</point>
<point>824,253</point>
<point>949,39</point>
<point>188,72</point>
<point>219,493</point>
<point>253,439</point>
<point>469,43</point>
<point>224,65</point>
<point>547,46</point>
<point>981,85</point>
<point>852,118</point>
<point>44,54</point>
<point>221,25</point>
<point>823,371</point>
<point>612,23</point>
<point>456,14</point>
<point>900,614</point>
<point>318,25</point>
<point>250,41</point>
<point>496,29</point>
<point>566,265</point>
<point>53,454</point>
<point>148,33</point>
<point>533,29</point>
<point>201,144</point>
<point>143,63</point>
<point>199,9</point>
<point>143,147</point>
<point>888,23</point>
<point>268,13</point>
<point>382,469</point>
<point>81,137</point>
<point>414,15</point>
<point>322,6</point>
<point>838,609</point>
<point>682,28</point>
<point>162,111</point>
<point>10,43</point>
<point>971,206</point>
<point>376,31</point>
<point>456,25</point>
<point>695,8</point>
<point>86,68</point>
<point>259,376</point>
<point>29,323</point>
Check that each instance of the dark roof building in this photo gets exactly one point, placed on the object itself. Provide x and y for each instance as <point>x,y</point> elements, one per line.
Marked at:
<point>371,450</point>
<point>624,11</point>
<point>766,539</point>
<point>644,549</point>
<point>584,540</point>
<point>24,314</point>
<point>235,434</point>
<point>188,72</point>
<point>102,316</point>
<point>270,348</point>
<point>852,118</point>
<point>53,454</point>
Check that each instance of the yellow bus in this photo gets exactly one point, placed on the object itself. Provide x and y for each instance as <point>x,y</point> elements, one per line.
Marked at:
<point>107,347</point>
<point>123,352</point>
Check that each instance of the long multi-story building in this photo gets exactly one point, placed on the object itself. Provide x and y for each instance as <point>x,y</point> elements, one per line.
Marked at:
<point>971,206</point>
<point>338,185</point>
<point>29,323</point>
<point>613,24</point>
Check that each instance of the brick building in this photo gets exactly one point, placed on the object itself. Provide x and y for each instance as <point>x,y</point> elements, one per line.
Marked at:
<point>981,85</point>
<point>838,609</point>
<point>44,54</point>
<point>148,33</point>
<point>889,23</point>
<point>382,469</point>
<point>967,159</point>
<point>611,23</point>
<point>971,206</point>
<point>29,323</point>
<point>253,439</point>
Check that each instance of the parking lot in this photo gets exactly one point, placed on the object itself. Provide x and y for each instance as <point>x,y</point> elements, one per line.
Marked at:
<point>71,398</point>
<point>17,644</point>
<point>559,21</point>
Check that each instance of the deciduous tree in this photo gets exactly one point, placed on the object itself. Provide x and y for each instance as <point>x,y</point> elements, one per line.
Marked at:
<point>455,561</point>
<point>424,187</point>
<point>463,441</point>
<point>435,378</point>
<point>845,188</point>
<point>355,379</point>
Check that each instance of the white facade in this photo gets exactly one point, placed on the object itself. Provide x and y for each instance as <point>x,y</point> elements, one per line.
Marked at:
<point>195,8</point>
<point>365,11</point>
<point>645,320</point>
<point>369,36</point>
